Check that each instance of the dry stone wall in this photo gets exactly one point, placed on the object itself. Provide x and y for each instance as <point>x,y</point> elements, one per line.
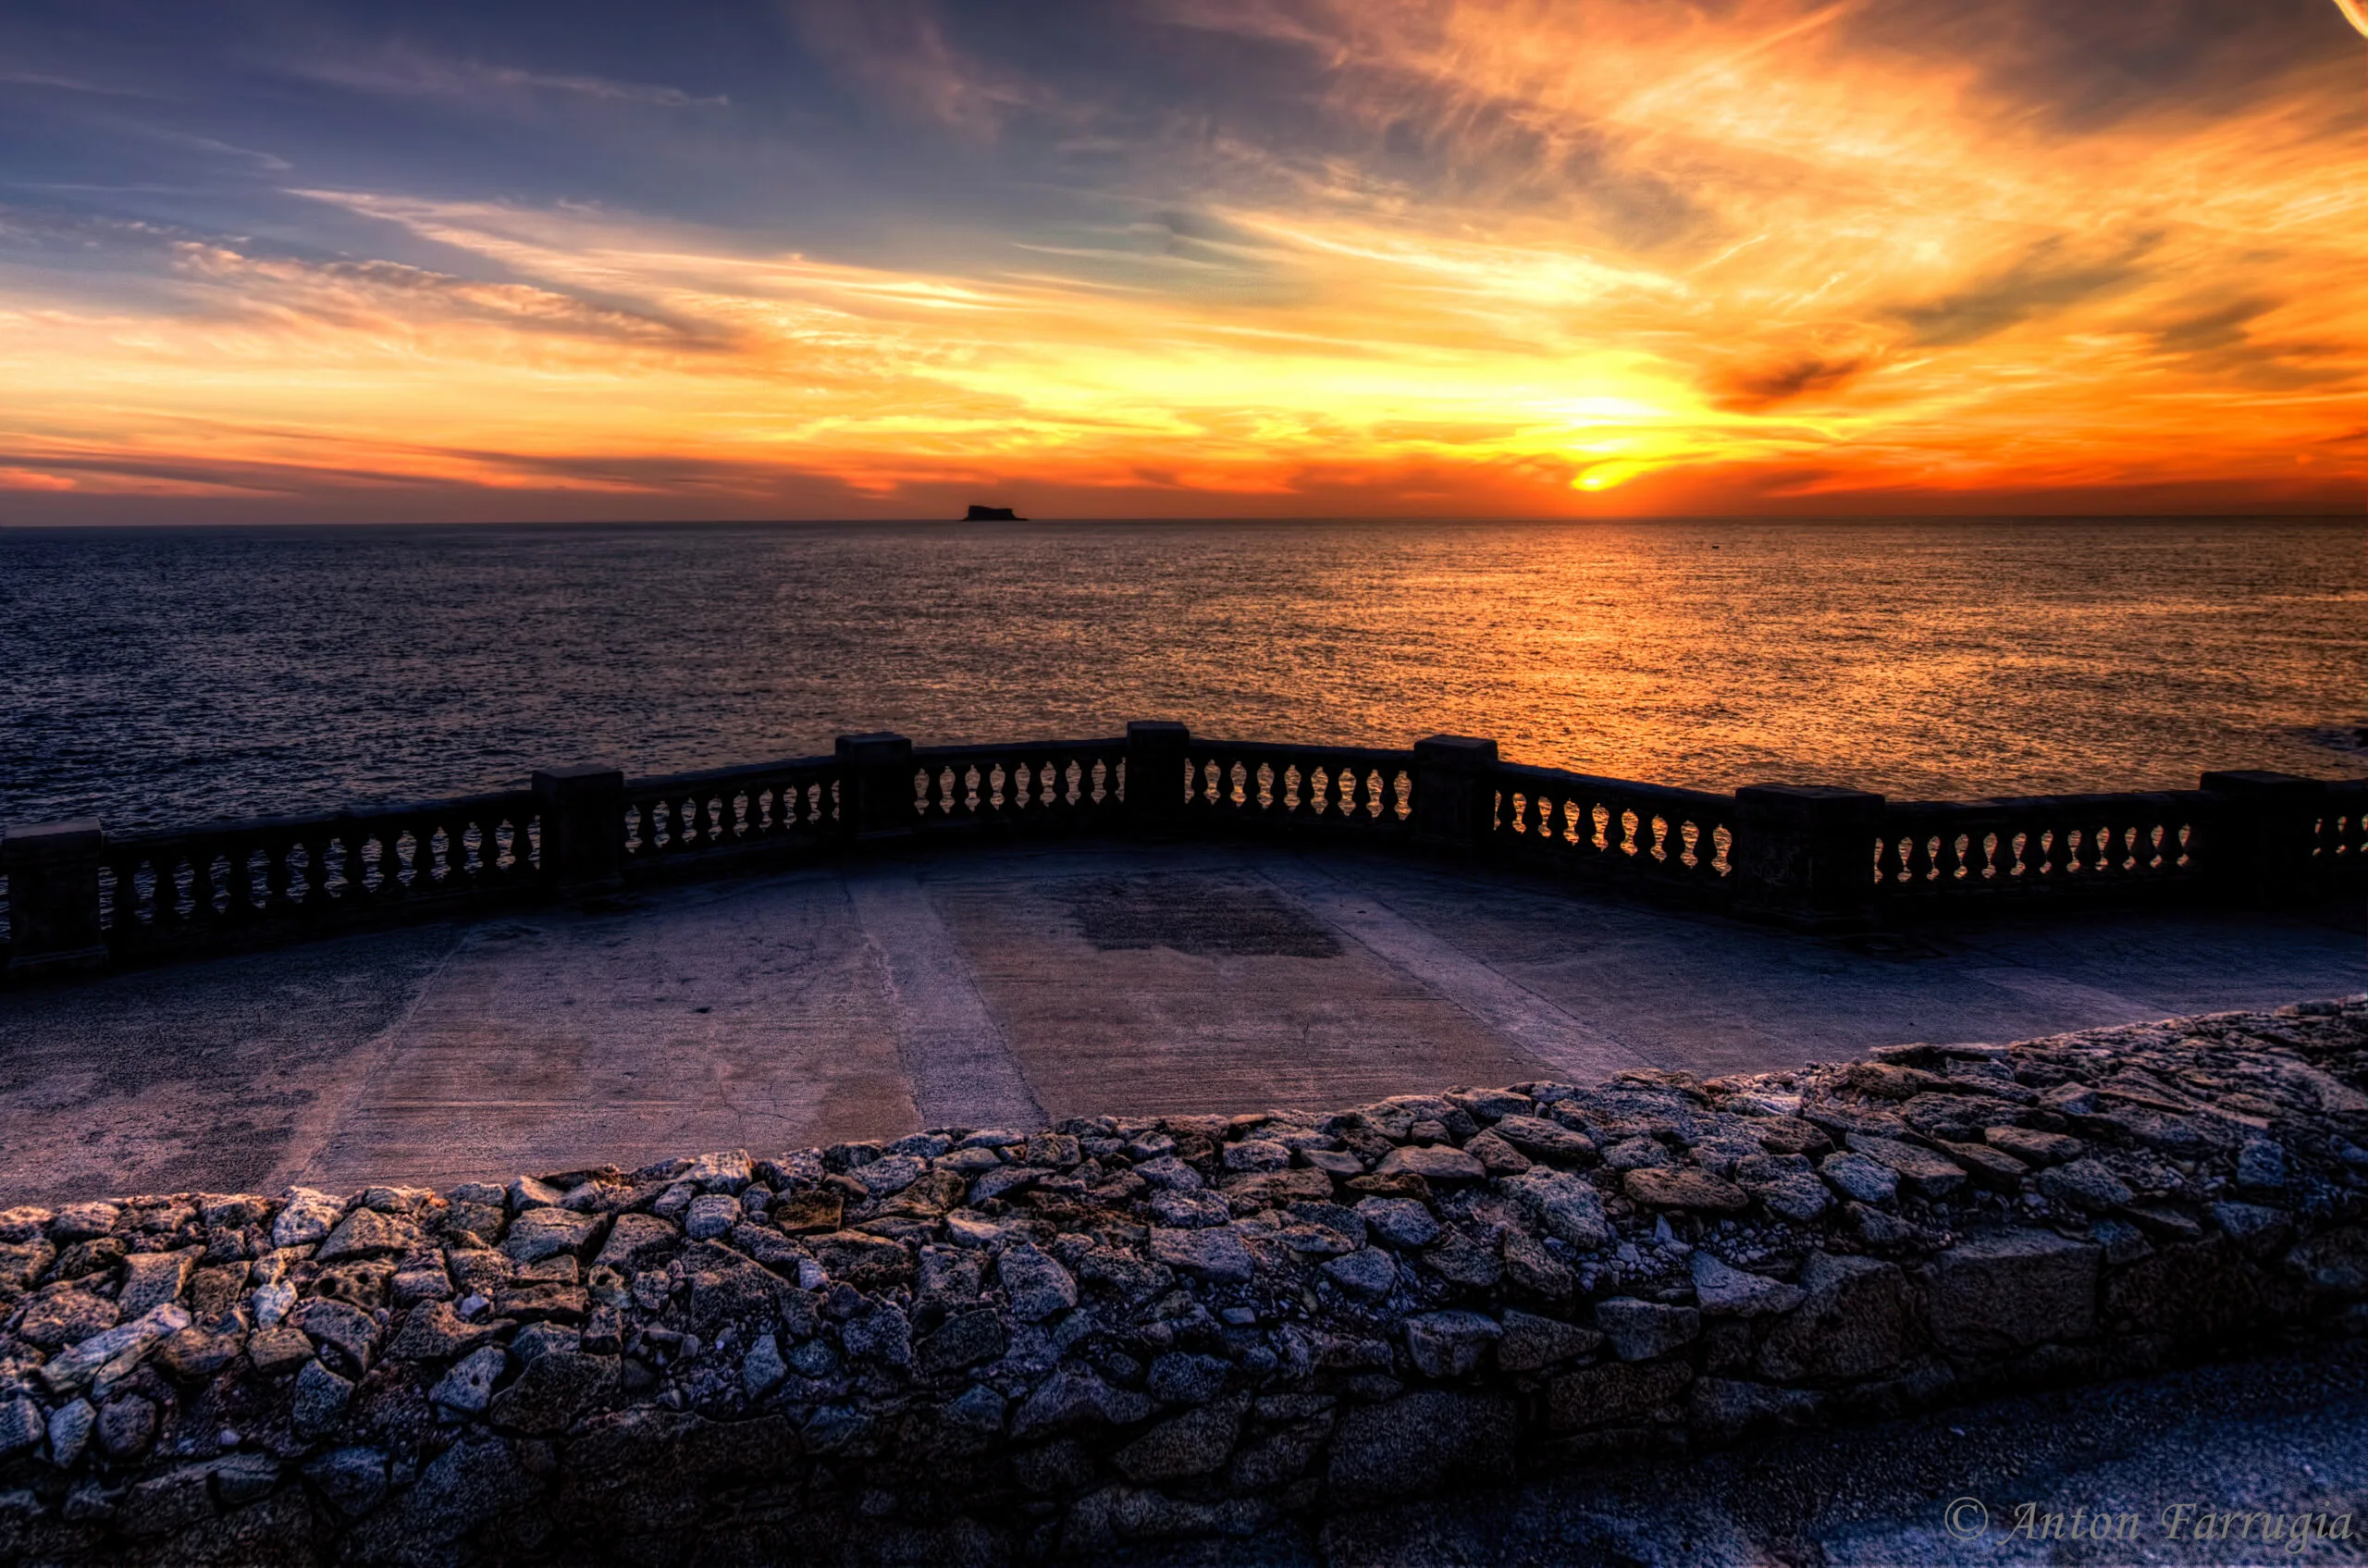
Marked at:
<point>991,1345</point>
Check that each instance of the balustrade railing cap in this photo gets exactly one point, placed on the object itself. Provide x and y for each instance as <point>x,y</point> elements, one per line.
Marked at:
<point>2255,781</point>
<point>1803,792</point>
<point>579,779</point>
<point>1455,749</point>
<point>875,746</point>
<point>37,843</point>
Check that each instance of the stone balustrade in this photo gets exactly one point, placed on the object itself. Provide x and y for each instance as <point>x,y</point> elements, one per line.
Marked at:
<point>74,897</point>
<point>986,1345</point>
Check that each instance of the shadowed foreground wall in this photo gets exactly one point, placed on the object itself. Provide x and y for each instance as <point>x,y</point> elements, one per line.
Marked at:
<point>983,1344</point>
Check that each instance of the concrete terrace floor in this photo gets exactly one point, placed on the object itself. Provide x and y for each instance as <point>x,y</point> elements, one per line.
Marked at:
<point>1008,987</point>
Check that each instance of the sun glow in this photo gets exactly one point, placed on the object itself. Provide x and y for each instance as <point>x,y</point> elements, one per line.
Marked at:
<point>1697,267</point>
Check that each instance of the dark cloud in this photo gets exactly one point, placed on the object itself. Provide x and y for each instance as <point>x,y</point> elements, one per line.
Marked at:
<point>1765,387</point>
<point>2081,65</point>
<point>2044,279</point>
<point>2220,340</point>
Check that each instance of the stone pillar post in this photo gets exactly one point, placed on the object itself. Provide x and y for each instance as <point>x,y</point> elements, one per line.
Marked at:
<point>583,827</point>
<point>1455,792</point>
<point>1804,855</point>
<point>1155,760</point>
<point>2259,832</point>
<point>54,896</point>
<point>876,796</point>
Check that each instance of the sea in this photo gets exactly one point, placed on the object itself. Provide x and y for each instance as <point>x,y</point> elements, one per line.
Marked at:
<point>155,676</point>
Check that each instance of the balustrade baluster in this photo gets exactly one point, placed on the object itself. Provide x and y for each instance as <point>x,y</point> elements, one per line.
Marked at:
<point>275,877</point>
<point>304,874</point>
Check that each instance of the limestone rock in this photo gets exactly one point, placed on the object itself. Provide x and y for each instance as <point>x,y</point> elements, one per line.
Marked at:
<point>468,1386</point>
<point>152,1279</point>
<point>1075,1397</point>
<point>1614,1394</point>
<point>964,1339</point>
<point>61,1317</point>
<point>1368,1272</point>
<point>1992,1166</point>
<point>2032,1146</point>
<point>21,1425</point>
<point>1639,1330</point>
<point>1194,1443</point>
<point>1419,1442</point>
<point>559,1387</point>
<point>710,1216</point>
<point>1565,1205</point>
<point>70,1426</point>
<point>1543,1140</point>
<point>1190,1210</point>
<point>635,1241</point>
<point>1400,1222</point>
<point>1497,1156</point>
<point>2085,1184</point>
<point>1438,1163</point>
<point>84,1222</point>
<point>1857,1320</point>
<point>305,1216</point>
<point>1682,1189</point>
<point>1799,1198</point>
<point>1449,1344</point>
<point>114,1352</point>
<point>1531,1343</point>
<point>1859,1179</point>
<point>1723,1409</point>
<point>321,1399</point>
<point>365,1233</point>
<point>1180,1378</point>
<point>1218,1256</point>
<point>547,1233</point>
<point>433,1331</point>
<point>1927,1174</point>
<point>350,1330</point>
<point>1732,1292</point>
<point>2013,1291</point>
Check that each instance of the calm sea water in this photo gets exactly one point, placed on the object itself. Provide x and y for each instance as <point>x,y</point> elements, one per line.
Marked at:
<point>159,676</point>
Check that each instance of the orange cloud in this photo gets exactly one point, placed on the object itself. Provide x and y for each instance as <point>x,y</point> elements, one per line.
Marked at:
<point>1677,264</point>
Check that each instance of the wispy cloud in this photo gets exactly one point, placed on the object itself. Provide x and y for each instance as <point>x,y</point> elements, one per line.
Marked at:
<point>1383,255</point>
<point>407,73</point>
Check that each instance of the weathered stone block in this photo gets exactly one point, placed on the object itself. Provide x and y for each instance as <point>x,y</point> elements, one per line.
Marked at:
<point>1859,1318</point>
<point>2012,1290</point>
<point>1615,1394</point>
<point>1195,1443</point>
<point>1639,1330</point>
<point>1420,1441</point>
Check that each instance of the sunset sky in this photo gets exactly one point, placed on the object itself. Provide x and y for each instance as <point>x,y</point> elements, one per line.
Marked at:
<point>879,258</point>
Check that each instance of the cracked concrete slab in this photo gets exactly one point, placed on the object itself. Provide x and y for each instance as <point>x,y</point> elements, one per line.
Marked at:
<point>954,1055</point>
<point>821,1004</point>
